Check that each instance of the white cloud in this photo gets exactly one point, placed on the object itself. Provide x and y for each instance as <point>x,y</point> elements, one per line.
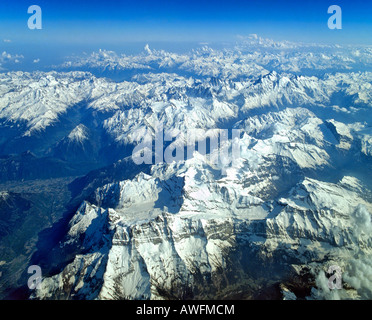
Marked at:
<point>323,292</point>
<point>6,58</point>
<point>6,55</point>
<point>36,61</point>
<point>362,220</point>
<point>357,271</point>
<point>7,40</point>
<point>359,276</point>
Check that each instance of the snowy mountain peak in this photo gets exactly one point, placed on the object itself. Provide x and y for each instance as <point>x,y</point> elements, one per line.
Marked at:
<point>78,134</point>
<point>147,49</point>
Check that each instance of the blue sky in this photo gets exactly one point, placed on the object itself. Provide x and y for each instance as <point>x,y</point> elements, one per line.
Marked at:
<point>108,22</point>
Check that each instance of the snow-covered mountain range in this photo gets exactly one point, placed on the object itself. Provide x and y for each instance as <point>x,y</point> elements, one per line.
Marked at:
<point>298,200</point>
